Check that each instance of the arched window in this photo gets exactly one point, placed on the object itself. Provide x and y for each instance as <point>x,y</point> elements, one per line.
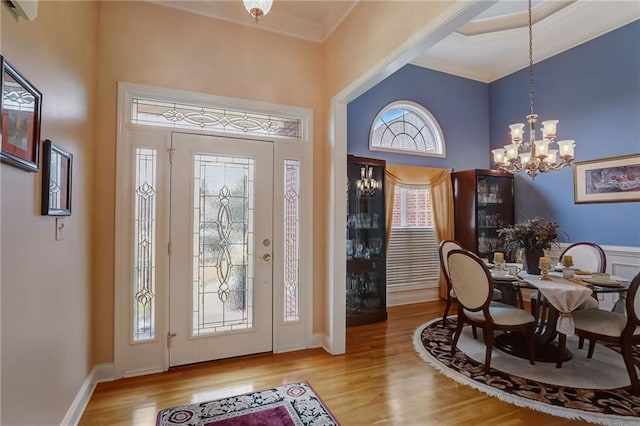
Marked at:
<point>407,127</point>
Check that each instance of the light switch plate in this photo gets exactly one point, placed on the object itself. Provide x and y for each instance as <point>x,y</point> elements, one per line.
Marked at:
<point>59,228</point>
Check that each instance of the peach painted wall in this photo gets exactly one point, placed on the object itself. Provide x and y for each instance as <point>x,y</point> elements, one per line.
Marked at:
<point>149,44</point>
<point>46,284</point>
<point>372,31</point>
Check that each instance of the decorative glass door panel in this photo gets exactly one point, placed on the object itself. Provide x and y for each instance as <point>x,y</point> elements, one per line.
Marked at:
<point>222,238</point>
<point>221,269</point>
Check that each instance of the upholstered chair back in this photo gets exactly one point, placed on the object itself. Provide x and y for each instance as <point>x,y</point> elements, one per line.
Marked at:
<point>470,279</point>
<point>445,247</point>
<point>587,256</point>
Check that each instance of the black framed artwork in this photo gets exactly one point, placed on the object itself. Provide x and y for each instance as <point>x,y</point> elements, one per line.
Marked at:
<point>21,105</point>
<point>57,166</point>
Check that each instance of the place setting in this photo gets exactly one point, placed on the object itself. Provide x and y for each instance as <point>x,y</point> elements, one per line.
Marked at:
<point>565,269</point>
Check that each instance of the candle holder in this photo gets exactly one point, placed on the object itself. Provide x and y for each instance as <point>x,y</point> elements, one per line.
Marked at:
<point>544,273</point>
<point>567,261</point>
<point>498,261</point>
<point>545,265</point>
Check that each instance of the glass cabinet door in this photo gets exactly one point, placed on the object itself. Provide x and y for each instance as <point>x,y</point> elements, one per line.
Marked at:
<point>494,211</point>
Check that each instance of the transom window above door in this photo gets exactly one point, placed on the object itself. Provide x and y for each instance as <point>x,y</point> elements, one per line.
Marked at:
<point>409,128</point>
<point>162,113</point>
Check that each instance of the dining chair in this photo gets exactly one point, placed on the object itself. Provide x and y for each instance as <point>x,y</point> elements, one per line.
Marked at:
<point>473,287</point>
<point>586,256</point>
<point>443,250</point>
<point>589,257</point>
<point>611,327</point>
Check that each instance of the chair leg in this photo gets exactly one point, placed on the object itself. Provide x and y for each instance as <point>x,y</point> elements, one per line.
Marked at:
<point>535,309</point>
<point>519,298</point>
<point>592,347</point>
<point>562,339</point>
<point>627,355</point>
<point>531,343</point>
<point>475,332</point>
<point>456,334</point>
<point>487,333</point>
<point>580,342</point>
<point>446,309</point>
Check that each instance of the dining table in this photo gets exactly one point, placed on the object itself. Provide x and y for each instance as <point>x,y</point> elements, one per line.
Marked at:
<point>557,298</point>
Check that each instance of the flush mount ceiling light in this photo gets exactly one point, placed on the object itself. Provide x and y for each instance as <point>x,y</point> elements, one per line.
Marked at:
<point>257,8</point>
<point>535,155</point>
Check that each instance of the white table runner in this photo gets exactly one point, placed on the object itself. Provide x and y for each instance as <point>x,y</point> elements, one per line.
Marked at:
<point>564,295</point>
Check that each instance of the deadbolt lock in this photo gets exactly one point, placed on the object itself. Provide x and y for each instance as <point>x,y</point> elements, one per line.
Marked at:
<point>266,257</point>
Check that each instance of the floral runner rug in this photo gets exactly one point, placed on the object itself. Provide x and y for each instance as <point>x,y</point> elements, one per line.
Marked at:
<point>289,405</point>
<point>612,406</point>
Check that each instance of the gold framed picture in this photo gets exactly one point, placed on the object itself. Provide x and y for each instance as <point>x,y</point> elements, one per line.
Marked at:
<point>607,180</point>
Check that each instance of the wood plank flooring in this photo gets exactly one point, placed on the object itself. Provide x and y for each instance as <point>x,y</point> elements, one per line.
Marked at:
<point>379,381</point>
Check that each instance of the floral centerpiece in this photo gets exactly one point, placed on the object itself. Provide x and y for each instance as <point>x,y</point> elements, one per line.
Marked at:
<point>534,236</point>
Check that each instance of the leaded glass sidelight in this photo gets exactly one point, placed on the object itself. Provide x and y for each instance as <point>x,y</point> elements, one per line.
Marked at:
<point>144,245</point>
<point>291,240</point>
<point>223,236</point>
<point>202,117</point>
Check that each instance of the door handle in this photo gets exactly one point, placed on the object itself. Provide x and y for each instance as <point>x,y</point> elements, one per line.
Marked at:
<point>266,257</point>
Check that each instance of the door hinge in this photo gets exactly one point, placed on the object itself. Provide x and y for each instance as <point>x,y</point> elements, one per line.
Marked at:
<point>170,151</point>
<point>170,336</point>
<point>169,248</point>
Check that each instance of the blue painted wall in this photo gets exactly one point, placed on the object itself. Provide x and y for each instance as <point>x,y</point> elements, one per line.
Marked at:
<point>460,105</point>
<point>594,90</point>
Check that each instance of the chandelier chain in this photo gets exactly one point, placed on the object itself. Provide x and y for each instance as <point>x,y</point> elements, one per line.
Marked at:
<point>530,60</point>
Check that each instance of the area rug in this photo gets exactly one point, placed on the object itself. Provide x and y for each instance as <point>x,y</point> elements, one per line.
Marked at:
<point>289,405</point>
<point>610,403</point>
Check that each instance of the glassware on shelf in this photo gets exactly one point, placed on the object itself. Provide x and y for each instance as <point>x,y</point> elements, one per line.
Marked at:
<point>376,246</point>
<point>349,249</point>
<point>359,250</point>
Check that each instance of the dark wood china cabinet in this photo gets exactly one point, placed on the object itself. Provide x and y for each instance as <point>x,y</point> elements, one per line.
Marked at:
<point>483,203</point>
<point>366,296</point>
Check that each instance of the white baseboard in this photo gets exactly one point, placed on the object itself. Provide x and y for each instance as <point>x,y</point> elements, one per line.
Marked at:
<point>99,373</point>
<point>412,296</point>
<point>315,342</point>
<point>105,373</point>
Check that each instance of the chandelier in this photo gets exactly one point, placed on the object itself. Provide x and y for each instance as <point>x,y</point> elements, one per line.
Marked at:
<point>367,184</point>
<point>257,8</point>
<point>535,155</point>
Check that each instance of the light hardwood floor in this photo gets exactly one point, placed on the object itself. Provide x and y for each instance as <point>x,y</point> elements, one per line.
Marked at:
<point>379,381</point>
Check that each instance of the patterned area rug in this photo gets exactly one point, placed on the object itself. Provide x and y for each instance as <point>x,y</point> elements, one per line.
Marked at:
<point>288,405</point>
<point>605,406</point>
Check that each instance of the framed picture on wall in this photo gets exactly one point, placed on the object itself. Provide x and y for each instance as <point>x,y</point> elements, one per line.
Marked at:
<point>20,119</point>
<point>607,180</point>
<point>57,165</point>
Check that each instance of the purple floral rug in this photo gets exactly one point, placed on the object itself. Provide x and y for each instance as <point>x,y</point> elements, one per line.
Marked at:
<point>605,406</point>
<point>289,405</point>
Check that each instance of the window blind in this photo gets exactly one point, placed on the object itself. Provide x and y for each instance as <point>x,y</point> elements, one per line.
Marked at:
<point>412,259</point>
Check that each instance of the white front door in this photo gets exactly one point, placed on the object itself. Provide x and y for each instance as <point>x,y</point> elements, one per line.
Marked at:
<point>220,279</point>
